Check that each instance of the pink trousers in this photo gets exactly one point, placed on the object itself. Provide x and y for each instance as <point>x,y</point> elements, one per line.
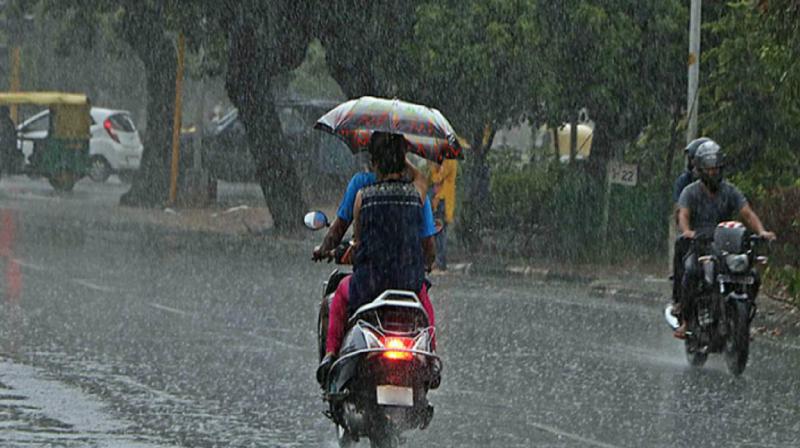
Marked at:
<point>338,315</point>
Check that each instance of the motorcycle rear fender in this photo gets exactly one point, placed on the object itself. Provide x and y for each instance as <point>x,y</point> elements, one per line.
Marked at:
<point>354,349</point>
<point>346,367</point>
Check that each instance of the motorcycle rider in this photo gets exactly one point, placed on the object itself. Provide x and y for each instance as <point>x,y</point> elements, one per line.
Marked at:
<point>682,244</point>
<point>689,175</point>
<point>702,205</point>
<point>393,238</point>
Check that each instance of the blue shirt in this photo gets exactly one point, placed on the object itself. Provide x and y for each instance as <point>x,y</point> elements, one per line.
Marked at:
<point>680,183</point>
<point>363,179</point>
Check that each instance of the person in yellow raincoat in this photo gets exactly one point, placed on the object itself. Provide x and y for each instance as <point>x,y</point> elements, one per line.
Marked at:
<point>443,178</point>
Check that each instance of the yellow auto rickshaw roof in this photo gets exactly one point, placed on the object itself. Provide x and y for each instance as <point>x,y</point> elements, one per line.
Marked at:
<point>42,98</point>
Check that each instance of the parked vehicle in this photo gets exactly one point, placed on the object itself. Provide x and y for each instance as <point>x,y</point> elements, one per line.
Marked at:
<point>61,153</point>
<point>114,146</point>
<point>227,155</point>
<point>719,319</point>
<point>378,385</point>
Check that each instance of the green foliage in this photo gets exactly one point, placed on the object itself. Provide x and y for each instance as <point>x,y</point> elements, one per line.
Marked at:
<point>754,87</point>
<point>519,195</point>
<point>312,79</point>
<point>783,282</point>
<point>637,221</point>
<point>545,211</point>
<point>479,61</point>
<point>573,215</point>
<point>623,60</point>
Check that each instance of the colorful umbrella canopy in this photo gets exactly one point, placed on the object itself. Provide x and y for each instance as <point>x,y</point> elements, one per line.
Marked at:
<point>426,131</point>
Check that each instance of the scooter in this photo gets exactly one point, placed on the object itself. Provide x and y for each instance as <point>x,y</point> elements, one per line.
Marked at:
<point>378,386</point>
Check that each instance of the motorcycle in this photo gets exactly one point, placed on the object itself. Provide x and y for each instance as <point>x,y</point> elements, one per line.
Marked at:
<point>725,301</point>
<point>377,387</point>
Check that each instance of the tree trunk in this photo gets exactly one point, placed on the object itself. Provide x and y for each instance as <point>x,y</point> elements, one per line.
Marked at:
<point>555,144</point>
<point>250,87</point>
<point>476,205</point>
<point>275,166</point>
<point>145,33</point>
<point>673,141</point>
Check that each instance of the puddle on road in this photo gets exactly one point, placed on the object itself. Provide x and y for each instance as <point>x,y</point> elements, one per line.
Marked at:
<point>38,411</point>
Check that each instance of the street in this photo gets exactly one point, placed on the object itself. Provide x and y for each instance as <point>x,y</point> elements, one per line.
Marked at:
<point>117,333</point>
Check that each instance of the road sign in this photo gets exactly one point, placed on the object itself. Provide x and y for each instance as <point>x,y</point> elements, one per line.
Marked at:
<point>623,173</point>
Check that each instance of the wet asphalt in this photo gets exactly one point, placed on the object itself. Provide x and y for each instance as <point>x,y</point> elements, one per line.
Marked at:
<point>123,334</point>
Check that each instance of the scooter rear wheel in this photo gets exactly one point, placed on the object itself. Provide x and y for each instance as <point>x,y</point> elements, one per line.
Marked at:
<point>345,439</point>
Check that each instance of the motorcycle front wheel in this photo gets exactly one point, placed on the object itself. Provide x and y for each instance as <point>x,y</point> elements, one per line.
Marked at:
<point>343,436</point>
<point>737,347</point>
<point>694,357</point>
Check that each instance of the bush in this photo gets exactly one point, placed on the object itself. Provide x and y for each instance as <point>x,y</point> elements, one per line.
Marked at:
<point>555,211</point>
<point>518,204</point>
<point>573,213</point>
<point>779,209</point>
<point>780,212</point>
<point>638,221</point>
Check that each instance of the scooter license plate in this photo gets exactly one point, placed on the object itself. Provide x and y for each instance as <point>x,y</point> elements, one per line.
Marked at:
<point>395,396</point>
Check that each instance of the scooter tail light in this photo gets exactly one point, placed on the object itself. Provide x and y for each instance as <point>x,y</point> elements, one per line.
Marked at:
<point>109,127</point>
<point>399,344</point>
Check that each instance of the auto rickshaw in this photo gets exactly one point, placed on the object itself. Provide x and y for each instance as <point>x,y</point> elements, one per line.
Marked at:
<point>63,156</point>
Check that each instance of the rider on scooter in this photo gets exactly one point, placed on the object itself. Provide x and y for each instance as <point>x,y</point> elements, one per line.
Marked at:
<point>393,241</point>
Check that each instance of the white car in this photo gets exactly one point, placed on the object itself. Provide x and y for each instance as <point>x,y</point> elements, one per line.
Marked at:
<point>114,147</point>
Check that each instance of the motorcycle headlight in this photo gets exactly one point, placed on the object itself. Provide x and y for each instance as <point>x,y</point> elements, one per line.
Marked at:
<point>737,263</point>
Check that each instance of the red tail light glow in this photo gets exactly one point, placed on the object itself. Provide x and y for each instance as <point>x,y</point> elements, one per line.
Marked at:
<point>398,343</point>
<point>110,129</point>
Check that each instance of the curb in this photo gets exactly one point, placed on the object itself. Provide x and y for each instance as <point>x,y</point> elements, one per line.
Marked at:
<point>598,285</point>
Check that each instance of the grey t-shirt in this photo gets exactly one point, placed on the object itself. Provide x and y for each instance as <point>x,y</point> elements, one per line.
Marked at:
<point>706,211</point>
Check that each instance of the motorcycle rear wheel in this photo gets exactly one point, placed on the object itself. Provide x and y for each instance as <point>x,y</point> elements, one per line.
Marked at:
<point>737,347</point>
<point>384,441</point>
<point>384,437</point>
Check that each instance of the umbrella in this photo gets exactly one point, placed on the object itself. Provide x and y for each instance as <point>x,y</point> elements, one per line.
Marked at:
<point>426,131</point>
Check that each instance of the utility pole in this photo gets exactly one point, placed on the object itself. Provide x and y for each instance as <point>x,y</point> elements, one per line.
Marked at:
<point>176,125</point>
<point>15,24</point>
<point>692,100</point>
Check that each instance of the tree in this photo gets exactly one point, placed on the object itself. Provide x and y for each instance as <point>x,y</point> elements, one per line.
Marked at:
<point>265,42</point>
<point>365,45</point>
<point>479,64</point>
<point>754,89</point>
<point>622,60</point>
<point>149,28</point>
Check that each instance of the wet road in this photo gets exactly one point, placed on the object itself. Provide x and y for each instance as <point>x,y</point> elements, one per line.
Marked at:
<point>117,334</point>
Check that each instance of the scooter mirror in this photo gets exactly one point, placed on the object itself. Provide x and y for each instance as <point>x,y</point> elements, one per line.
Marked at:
<point>316,220</point>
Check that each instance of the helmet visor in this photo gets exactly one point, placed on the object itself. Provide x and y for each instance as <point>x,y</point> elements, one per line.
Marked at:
<point>709,161</point>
